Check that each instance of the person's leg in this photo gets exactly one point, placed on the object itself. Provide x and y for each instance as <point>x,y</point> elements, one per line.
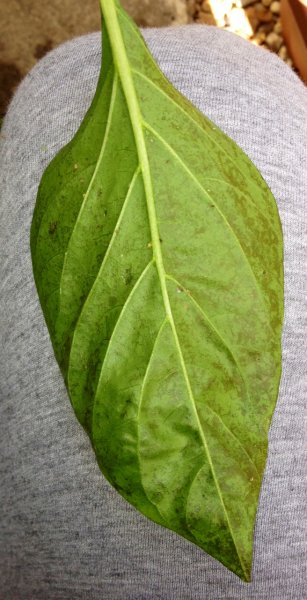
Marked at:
<point>64,532</point>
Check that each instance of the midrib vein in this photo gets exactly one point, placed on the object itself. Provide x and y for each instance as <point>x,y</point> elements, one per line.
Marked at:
<point>123,68</point>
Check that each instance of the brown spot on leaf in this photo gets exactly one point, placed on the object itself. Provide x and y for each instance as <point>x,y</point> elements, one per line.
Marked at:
<point>53,227</point>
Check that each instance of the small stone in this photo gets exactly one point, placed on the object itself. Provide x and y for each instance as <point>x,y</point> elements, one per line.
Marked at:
<point>278,27</point>
<point>283,53</point>
<point>275,7</point>
<point>260,37</point>
<point>263,15</point>
<point>274,41</point>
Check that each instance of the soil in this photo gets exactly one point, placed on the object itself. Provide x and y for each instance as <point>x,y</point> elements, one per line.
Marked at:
<point>31,28</point>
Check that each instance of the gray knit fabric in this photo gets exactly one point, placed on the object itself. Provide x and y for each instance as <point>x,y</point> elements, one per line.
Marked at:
<point>64,532</point>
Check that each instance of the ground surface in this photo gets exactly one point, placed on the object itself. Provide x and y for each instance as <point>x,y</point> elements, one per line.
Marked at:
<point>30,28</point>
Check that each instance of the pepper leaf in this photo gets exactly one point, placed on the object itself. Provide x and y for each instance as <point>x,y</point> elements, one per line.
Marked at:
<point>157,256</point>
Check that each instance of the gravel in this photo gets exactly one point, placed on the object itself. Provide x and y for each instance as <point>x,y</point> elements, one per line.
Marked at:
<point>259,22</point>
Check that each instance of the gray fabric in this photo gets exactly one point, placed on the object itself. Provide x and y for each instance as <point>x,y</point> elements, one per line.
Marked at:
<point>65,533</point>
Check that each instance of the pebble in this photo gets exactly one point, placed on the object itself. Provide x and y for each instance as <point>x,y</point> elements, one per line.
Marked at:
<point>263,15</point>
<point>278,27</point>
<point>275,7</point>
<point>260,21</point>
<point>260,37</point>
<point>274,41</point>
<point>283,53</point>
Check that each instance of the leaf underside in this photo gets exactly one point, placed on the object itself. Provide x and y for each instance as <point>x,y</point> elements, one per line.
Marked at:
<point>157,255</point>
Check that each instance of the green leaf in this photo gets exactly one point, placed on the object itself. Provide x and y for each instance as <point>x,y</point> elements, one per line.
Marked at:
<point>157,255</point>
